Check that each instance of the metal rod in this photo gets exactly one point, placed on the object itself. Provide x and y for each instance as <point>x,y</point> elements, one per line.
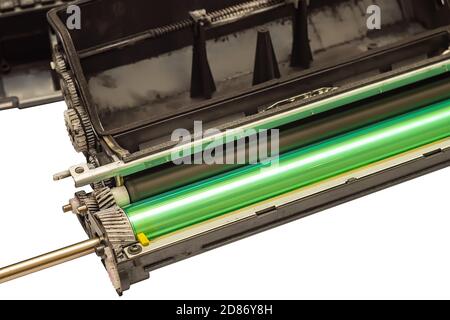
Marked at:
<point>153,182</point>
<point>83,175</point>
<point>217,18</point>
<point>48,260</point>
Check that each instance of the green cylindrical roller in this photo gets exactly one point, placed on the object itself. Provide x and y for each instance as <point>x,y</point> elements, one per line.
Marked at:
<point>159,180</point>
<point>196,203</point>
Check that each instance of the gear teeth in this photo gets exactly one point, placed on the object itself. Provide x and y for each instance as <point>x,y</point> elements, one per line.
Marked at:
<point>76,131</point>
<point>93,163</point>
<point>70,91</point>
<point>105,198</point>
<point>81,195</point>
<point>102,184</point>
<point>60,62</point>
<point>92,205</point>
<point>117,227</point>
<point>68,87</point>
<point>77,120</point>
<point>80,130</point>
<point>88,129</point>
<point>88,200</point>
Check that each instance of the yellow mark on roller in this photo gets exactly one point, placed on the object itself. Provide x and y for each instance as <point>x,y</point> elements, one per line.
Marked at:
<point>142,238</point>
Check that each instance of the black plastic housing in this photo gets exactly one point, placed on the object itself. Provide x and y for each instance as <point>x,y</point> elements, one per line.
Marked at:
<point>26,78</point>
<point>115,34</point>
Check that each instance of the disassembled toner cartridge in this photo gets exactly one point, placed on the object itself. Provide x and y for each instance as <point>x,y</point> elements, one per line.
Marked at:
<point>349,110</point>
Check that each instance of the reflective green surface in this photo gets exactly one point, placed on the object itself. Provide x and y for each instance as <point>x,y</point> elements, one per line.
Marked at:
<point>193,204</point>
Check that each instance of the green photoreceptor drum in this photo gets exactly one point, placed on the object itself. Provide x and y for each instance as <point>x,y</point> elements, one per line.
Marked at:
<point>243,187</point>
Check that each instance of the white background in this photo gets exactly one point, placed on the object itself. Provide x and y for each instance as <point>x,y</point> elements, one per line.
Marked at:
<point>393,244</point>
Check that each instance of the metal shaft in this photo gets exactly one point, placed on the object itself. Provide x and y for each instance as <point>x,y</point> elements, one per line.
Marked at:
<point>156,181</point>
<point>48,260</point>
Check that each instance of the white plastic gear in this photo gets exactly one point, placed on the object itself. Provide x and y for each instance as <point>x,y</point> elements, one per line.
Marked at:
<point>88,200</point>
<point>78,124</point>
<point>88,129</point>
<point>60,62</point>
<point>75,130</point>
<point>69,91</point>
<point>80,130</point>
<point>93,163</point>
<point>117,227</point>
<point>68,87</point>
<point>105,198</point>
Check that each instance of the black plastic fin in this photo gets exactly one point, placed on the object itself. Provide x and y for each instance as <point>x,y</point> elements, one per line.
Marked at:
<point>4,65</point>
<point>202,81</point>
<point>5,103</point>
<point>2,89</point>
<point>266,64</point>
<point>301,49</point>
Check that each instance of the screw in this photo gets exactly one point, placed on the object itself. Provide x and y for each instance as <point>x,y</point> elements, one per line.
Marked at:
<point>134,249</point>
<point>79,170</point>
<point>372,46</point>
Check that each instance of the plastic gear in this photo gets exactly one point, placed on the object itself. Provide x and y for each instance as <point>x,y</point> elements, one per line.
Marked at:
<point>69,91</point>
<point>105,198</point>
<point>60,62</point>
<point>80,130</point>
<point>67,84</point>
<point>94,163</point>
<point>88,200</point>
<point>88,129</point>
<point>117,227</point>
<point>78,123</point>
